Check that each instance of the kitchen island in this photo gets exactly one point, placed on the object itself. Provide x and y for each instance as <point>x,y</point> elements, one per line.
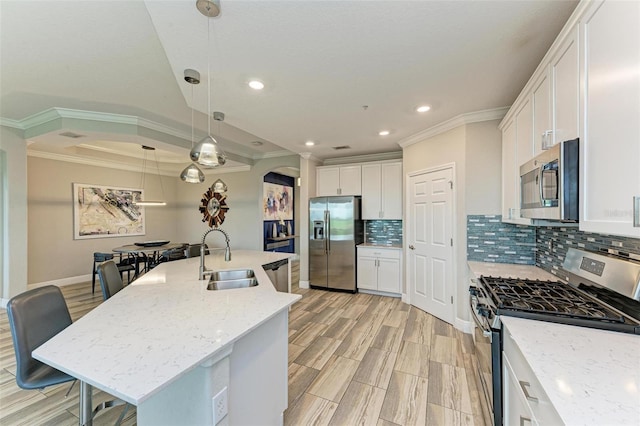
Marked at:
<point>168,345</point>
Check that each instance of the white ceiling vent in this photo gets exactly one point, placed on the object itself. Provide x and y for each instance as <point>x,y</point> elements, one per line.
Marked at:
<point>71,135</point>
<point>339,148</point>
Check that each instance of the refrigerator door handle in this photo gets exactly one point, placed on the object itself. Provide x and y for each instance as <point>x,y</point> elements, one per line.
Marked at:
<point>326,228</point>
<point>328,234</point>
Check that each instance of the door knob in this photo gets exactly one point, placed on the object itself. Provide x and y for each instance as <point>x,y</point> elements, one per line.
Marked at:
<point>412,247</point>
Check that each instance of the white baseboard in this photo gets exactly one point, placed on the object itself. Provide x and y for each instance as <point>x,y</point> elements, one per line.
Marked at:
<point>3,302</point>
<point>405,298</point>
<point>378,293</point>
<point>62,281</point>
<point>464,326</point>
<point>303,284</point>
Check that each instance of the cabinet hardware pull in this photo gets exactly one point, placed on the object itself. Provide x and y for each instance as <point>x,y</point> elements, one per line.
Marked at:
<point>523,420</point>
<point>636,211</point>
<point>523,386</point>
<point>412,247</point>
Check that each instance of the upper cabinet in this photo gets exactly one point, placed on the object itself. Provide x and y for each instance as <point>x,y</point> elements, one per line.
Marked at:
<point>338,180</point>
<point>609,119</point>
<point>564,70</point>
<point>382,191</point>
<point>587,86</point>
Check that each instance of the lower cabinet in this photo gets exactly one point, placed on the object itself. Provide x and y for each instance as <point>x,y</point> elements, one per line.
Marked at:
<point>379,269</point>
<point>525,401</point>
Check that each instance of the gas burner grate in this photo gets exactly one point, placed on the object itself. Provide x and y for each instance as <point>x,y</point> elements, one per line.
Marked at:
<point>547,297</point>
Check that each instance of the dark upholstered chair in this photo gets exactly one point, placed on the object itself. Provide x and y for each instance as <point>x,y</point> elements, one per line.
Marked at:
<point>35,316</point>
<point>173,254</point>
<point>125,265</point>
<point>193,250</point>
<point>110,279</point>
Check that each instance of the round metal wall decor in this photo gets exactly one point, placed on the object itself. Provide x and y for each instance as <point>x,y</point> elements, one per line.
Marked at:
<point>213,208</point>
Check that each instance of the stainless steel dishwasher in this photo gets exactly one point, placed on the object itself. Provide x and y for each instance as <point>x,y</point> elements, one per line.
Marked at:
<point>278,273</point>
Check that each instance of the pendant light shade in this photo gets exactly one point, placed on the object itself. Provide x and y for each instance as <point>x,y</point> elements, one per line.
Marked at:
<point>219,187</point>
<point>207,153</point>
<point>192,174</point>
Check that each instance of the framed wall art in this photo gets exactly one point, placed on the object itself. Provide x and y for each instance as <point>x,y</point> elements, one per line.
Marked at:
<point>106,211</point>
<point>277,202</point>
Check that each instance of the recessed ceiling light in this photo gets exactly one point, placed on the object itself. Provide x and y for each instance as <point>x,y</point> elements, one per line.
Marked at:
<point>256,85</point>
<point>384,133</point>
<point>423,108</point>
<point>309,143</point>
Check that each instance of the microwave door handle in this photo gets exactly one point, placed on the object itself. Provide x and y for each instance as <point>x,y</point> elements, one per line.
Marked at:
<point>540,180</point>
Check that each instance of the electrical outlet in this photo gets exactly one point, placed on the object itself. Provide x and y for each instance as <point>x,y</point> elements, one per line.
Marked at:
<point>220,408</point>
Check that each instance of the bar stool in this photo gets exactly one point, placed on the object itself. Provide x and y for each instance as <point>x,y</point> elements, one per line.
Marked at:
<point>123,266</point>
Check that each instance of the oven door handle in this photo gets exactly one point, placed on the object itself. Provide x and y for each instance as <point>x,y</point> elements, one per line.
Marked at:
<point>485,332</point>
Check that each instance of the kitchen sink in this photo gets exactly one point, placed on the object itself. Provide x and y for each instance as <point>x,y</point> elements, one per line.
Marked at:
<point>232,283</point>
<point>235,274</point>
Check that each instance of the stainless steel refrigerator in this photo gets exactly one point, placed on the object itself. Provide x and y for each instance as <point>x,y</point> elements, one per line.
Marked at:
<point>335,230</point>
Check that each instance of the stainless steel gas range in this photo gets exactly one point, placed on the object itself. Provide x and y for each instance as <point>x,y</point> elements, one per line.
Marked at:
<point>603,292</point>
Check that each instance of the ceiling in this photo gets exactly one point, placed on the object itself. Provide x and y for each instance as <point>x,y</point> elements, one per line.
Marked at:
<point>321,62</point>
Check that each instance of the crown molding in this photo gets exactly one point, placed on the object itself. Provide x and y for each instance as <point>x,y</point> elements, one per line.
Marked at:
<point>462,119</point>
<point>7,122</point>
<point>128,167</point>
<point>309,156</point>
<point>365,158</point>
<point>274,154</point>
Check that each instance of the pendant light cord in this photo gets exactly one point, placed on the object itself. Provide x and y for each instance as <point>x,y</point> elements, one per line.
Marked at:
<point>155,156</point>
<point>191,116</point>
<point>209,75</point>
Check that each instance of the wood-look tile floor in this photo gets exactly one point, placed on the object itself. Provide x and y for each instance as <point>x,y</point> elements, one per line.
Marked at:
<point>353,360</point>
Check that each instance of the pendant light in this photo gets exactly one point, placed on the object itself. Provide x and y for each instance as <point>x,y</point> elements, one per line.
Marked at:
<point>207,152</point>
<point>192,174</point>
<point>148,203</point>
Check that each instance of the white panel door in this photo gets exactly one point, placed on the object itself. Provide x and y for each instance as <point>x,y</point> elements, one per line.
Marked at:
<point>430,253</point>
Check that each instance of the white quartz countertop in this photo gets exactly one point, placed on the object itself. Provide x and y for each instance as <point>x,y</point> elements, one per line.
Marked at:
<point>510,270</point>
<point>163,325</point>
<point>591,376</point>
<point>381,246</point>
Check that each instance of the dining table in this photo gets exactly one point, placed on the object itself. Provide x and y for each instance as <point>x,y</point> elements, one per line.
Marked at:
<point>147,253</point>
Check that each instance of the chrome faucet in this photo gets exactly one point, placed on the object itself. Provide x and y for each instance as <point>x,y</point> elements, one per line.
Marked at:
<point>227,252</point>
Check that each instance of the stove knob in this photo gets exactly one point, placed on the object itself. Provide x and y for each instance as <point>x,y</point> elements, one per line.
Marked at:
<point>484,311</point>
<point>473,290</point>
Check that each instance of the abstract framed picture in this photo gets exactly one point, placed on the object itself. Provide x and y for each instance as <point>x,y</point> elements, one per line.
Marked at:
<point>106,211</point>
<point>277,202</point>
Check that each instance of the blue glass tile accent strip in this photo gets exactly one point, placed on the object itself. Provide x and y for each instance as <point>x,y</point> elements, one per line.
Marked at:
<point>383,232</point>
<point>490,240</point>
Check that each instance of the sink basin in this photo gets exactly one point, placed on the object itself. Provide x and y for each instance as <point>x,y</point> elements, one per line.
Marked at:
<point>235,274</point>
<point>228,284</point>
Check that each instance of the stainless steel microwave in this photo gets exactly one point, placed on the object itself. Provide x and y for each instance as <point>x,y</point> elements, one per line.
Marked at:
<point>549,184</point>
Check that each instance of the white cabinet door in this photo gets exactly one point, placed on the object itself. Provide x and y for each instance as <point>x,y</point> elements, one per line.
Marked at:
<point>508,171</point>
<point>516,409</point>
<point>389,275</point>
<point>541,112</point>
<point>610,138</point>
<point>565,76</point>
<point>350,180</point>
<point>327,181</point>
<point>391,191</point>
<point>367,272</point>
<point>371,191</point>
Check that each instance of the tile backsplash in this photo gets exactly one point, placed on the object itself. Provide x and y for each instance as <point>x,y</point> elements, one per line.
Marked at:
<point>553,243</point>
<point>490,240</point>
<point>383,232</point>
